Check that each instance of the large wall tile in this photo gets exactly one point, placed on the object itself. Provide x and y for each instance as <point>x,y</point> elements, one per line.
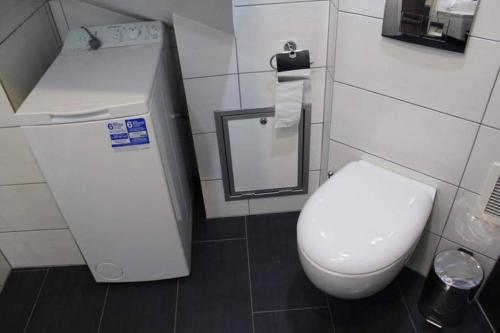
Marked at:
<point>458,84</point>
<point>315,147</point>
<point>332,38</point>
<point>341,154</point>
<point>26,54</point>
<point>207,156</point>
<point>486,152</point>
<point>484,261</point>
<point>215,203</point>
<point>465,226</point>
<point>78,13</point>
<point>486,23</point>
<point>258,91</point>
<point>423,256</point>
<point>402,132</point>
<point>492,115</point>
<point>262,2</point>
<point>287,203</point>
<point>364,7</point>
<point>204,51</point>
<point>40,248</point>
<point>28,207</point>
<point>14,12</point>
<point>17,164</point>
<point>7,116</point>
<point>261,31</point>
<point>209,94</point>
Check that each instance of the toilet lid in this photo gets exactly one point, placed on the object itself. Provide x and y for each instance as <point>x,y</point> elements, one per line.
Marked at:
<point>363,219</point>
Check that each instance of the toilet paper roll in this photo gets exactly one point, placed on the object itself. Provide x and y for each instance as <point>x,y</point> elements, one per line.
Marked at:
<point>289,96</point>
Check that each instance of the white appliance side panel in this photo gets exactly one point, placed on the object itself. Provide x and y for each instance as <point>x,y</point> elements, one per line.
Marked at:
<point>116,202</point>
<point>262,156</point>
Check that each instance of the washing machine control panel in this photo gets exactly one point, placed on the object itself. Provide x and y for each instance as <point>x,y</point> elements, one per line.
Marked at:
<point>116,35</point>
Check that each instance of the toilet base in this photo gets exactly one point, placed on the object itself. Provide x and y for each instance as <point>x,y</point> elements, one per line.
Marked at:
<point>349,286</point>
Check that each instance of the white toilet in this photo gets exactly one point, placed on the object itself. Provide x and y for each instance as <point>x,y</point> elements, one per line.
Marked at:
<point>358,229</point>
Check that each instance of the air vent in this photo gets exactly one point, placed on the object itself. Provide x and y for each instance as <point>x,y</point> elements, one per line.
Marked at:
<point>490,197</point>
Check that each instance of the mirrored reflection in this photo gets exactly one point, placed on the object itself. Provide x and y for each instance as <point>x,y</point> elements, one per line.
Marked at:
<point>443,24</point>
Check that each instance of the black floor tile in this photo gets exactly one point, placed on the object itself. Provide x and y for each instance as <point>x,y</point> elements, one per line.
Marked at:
<point>18,298</point>
<point>278,281</point>
<point>216,296</point>
<point>140,307</point>
<point>70,301</point>
<point>411,285</point>
<point>215,229</point>
<point>297,321</point>
<point>382,312</point>
<point>490,299</point>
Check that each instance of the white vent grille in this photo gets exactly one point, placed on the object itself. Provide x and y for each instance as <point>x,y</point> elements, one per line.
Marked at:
<point>490,197</point>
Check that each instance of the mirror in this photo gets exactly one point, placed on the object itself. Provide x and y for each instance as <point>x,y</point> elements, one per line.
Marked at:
<point>443,24</point>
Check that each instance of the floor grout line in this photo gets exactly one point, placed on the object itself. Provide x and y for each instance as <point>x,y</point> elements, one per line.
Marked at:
<point>293,309</point>
<point>485,316</point>
<point>176,305</point>
<point>406,306</point>
<point>103,308</point>
<point>330,312</point>
<point>249,275</point>
<point>36,300</point>
<point>219,240</point>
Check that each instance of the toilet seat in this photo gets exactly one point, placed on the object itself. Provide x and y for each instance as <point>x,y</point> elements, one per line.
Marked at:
<point>363,219</point>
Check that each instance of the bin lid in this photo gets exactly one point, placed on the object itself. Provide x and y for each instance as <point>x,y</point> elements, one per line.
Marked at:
<point>458,269</point>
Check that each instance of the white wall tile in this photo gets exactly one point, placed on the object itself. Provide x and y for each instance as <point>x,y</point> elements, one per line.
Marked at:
<point>207,156</point>
<point>315,147</point>
<point>341,154</point>
<point>492,115</point>
<point>28,207</point>
<point>40,248</point>
<point>486,152</point>
<point>466,227</point>
<point>206,95</point>
<point>402,132</point>
<point>287,203</point>
<point>365,7</point>
<point>486,24</point>
<point>4,270</point>
<point>262,2</point>
<point>17,164</point>
<point>204,51</point>
<point>258,91</point>
<point>458,84</point>
<point>332,38</point>
<point>423,256</point>
<point>14,12</point>
<point>7,116</point>
<point>78,13</point>
<point>215,203</point>
<point>485,262</point>
<point>261,31</point>
<point>26,54</point>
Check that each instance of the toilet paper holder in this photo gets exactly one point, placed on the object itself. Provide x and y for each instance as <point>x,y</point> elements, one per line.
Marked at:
<point>291,58</point>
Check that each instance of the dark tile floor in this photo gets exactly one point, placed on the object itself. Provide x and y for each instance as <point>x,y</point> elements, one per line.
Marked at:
<point>246,277</point>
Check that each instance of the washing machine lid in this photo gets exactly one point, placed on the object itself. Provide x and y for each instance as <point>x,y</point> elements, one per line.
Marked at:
<point>363,219</point>
<point>102,84</point>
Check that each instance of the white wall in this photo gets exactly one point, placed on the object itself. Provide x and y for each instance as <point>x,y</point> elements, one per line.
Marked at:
<point>428,114</point>
<point>226,72</point>
<point>32,230</point>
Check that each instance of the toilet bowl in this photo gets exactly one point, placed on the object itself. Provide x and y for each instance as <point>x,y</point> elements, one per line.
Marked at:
<point>356,232</point>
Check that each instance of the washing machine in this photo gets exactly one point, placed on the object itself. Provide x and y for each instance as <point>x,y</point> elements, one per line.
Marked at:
<point>107,134</point>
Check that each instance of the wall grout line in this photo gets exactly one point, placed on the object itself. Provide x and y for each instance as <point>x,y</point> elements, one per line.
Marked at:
<point>279,3</point>
<point>21,184</point>
<point>36,300</point>
<point>176,306</point>
<point>249,276</point>
<point>30,230</point>
<point>103,309</point>
<point>408,102</point>
<point>403,299</point>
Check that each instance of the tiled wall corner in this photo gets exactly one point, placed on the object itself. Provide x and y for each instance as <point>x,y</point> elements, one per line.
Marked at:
<point>428,114</point>
<point>217,78</point>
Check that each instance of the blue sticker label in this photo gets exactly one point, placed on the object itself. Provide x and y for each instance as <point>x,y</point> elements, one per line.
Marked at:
<point>128,132</point>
